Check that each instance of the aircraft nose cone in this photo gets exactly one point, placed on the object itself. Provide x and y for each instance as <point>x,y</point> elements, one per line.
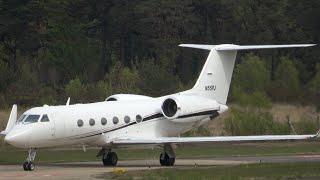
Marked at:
<point>8,138</point>
<point>16,139</point>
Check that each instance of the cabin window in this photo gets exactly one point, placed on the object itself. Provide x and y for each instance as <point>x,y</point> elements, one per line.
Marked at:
<point>91,122</point>
<point>32,118</point>
<point>44,118</point>
<point>126,119</point>
<point>103,121</point>
<point>138,118</point>
<point>115,120</point>
<point>80,123</point>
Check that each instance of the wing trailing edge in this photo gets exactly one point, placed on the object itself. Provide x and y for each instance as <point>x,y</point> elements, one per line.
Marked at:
<point>215,139</point>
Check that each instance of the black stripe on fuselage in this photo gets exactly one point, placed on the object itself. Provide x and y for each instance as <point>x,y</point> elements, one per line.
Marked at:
<point>154,116</point>
<point>214,113</point>
<point>211,112</point>
<point>158,115</point>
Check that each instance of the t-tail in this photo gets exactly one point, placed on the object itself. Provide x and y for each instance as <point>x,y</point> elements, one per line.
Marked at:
<point>215,77</point>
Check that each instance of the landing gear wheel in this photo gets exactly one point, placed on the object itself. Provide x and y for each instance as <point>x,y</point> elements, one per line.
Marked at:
<point>171,161</point>
<point>105,159</point>
<point>162,160</point>
<point>25,164</point>
<point>28,166</point>
<point>31,166</point>
<point>113,159</point>
<point>110,159</point>
<point>165,160</point>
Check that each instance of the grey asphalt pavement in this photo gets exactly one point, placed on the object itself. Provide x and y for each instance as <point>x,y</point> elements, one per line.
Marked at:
<point>95,170</point>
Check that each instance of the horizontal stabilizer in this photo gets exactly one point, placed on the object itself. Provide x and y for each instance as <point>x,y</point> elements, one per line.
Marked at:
<point>198,46</point>
<point>234,47</point>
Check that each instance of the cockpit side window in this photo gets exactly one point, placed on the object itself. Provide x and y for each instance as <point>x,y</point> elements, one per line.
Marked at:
<point>32,119</point>
<point>112,99</point>
<point>44,118</point>
<point>21,118</point>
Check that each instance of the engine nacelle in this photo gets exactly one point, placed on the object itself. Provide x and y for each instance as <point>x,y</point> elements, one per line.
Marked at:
<point>177,107</point>
<point>170,108</point>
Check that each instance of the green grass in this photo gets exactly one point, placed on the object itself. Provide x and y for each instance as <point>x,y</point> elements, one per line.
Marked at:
<point>275,148</point>
<point>250,171</point>
<point>10,155</point>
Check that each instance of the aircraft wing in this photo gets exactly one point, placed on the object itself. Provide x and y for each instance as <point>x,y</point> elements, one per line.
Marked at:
<point>214,139</point>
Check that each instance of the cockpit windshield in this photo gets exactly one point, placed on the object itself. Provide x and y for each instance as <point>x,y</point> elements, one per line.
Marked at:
<point>32,118</point>
<point>21,118</point>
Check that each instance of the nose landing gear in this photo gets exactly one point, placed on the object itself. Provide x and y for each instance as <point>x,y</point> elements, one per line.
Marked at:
<point>29,165</point>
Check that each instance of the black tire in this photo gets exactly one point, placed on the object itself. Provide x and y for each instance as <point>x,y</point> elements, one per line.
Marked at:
<point>171,161</point>
<point>162,159</point>
<point>105,159</point>
<point>110,159</point>
<point>31,166</point>
<point>165,160</point>
<point>25,166</point>
<point>113,159</point>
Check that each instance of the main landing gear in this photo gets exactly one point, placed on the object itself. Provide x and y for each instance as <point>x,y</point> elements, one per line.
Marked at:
<point>29,164</point>
<point>168,157</point>
<point>109,158</point>
<point>165,160</point>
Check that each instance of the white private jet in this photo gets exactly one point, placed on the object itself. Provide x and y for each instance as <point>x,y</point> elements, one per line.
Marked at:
<point>125,120</point>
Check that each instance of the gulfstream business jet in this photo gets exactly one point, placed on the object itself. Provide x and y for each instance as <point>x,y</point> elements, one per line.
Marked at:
<point>125,120</point>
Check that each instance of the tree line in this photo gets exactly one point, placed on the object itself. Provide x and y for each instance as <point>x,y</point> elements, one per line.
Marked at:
<point>53,49</point>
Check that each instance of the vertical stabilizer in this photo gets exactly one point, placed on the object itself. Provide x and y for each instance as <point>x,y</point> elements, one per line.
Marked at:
<point>215,77</point>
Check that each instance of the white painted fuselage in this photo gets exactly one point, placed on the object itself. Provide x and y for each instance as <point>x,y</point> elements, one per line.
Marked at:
<point>63,129</point>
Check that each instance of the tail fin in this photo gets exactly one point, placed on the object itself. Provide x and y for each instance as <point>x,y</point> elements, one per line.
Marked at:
<point>215,77</point>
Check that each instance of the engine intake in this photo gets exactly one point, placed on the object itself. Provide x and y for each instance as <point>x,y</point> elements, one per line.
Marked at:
<point>188,108</point>
<point>169,108</point>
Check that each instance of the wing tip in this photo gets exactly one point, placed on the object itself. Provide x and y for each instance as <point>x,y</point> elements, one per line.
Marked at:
<point>311,45</point>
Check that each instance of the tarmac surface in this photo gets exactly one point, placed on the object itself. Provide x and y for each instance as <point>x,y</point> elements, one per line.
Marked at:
<point>95,170</point>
